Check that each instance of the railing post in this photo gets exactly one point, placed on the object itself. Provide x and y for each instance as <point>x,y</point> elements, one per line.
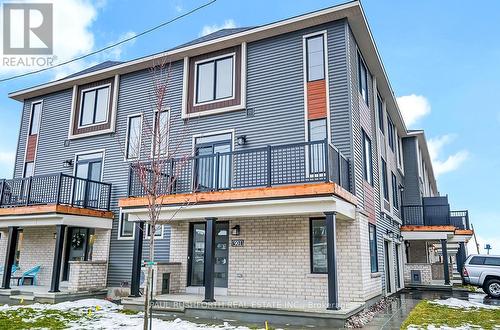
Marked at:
<point>326,155</point>
<point>59,184</point>
<point>129,180</point>
<point>339,168</point>
<point>109,196</point>
<point>86,193</point>
<point>73,188</point>
<point>216,167</point>
<point>171,178</point>
<point>1,191</point>
<point>269,168</point>
<point>28,192</point>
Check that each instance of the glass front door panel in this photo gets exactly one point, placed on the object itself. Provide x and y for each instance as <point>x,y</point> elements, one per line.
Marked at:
<point>88,167</point>
<point>213,173</point>
<point>221,254</point>
<point>198,254</point>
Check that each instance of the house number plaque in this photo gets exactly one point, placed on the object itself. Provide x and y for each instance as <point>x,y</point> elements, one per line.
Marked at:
<point>237,242</point>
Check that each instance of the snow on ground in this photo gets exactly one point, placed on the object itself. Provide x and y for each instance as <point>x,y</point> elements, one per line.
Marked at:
<point>442,327</point>
<point>458,303</point>
<point>106,315</point>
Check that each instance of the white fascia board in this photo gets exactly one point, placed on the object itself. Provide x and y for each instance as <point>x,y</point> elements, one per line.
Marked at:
<point>424,235</point>
<point>39,220</point>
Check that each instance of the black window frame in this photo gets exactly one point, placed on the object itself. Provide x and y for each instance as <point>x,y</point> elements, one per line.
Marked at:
<point>311,247</point>
<point>363,78</point>
<point>394,181</point>
<point>214,91</point>
<point>94,112</point>
<point>368,177</point>
<point>322,36</point>
<point>373,248</point>
<point>380,109</point>
<point>123,218</point>
<point>391,132</point>
<point>127,147</point>
<point>385,181</point>
<point>34,115</point>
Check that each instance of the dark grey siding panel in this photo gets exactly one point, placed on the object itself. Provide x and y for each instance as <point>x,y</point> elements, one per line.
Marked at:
<point>411,194</point>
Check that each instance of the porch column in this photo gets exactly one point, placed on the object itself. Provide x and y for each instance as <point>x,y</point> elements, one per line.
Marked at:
<point>445,262</point>
<point>9,256</point>
<point>58,252</point>
<point>209,259</point>
<point>137,259</point>
<point>331,255</point>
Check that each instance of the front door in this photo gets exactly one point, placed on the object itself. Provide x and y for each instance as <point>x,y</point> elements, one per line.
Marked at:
<point>387,267</point>
<point>197,254</point>
<point>77,247</point>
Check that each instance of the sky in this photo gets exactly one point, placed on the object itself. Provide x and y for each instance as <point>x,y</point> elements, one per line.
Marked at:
<point>441,58</point>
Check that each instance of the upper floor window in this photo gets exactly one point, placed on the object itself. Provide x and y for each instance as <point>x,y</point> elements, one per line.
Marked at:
<point>94,106</point>
<point>372,232</point>
<point>367,159</point>
<point>134,133</point>
<point>315,58</point>
<point>391,133</point>
<point>36,111</point>
<point>214,79</point>
<point>363,79</point>
<point>385,183</point>
<point>29,169</point>
<point>380,108</point>
<point>161,127</point>
<point>395,201</point>
<point>317,129</point>
<point>400,152</point>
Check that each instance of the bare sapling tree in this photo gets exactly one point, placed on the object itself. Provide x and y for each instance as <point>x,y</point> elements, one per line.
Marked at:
<point>158,162</point>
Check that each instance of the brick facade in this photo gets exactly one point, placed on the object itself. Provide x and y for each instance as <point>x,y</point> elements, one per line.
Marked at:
<point>87,275</point>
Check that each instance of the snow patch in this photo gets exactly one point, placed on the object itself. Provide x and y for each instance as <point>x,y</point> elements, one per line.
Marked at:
<point>458,303</point>
<point>442,327</point>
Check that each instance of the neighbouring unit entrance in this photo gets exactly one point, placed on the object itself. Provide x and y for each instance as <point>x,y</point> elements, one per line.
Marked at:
<point>388,267</point>
<point>78,247</point>
<point>196,256</point>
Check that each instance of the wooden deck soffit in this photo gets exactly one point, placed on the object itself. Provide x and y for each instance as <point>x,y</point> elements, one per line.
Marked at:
<point>304,190</point>
<point>428,228</point>
<point>466,232</point>
<point>60,209</point>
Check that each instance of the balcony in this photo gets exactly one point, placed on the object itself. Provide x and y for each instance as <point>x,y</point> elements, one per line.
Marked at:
<point>435,211</point>
<point>266,167</point>
<point>54,189</point>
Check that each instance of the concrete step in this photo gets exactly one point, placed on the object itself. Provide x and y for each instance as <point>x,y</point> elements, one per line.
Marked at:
<point>23,297</point>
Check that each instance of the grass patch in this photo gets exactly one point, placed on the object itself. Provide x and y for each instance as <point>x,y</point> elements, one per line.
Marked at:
<point>128,312</point>
<point>426,313</point>
<point>29,318</point>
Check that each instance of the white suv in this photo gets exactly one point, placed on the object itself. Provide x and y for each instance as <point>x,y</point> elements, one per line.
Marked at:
<point>483,271</point>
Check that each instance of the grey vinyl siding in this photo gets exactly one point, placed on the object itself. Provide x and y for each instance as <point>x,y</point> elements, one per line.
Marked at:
<point>412,193</point>
<point>22,139</point>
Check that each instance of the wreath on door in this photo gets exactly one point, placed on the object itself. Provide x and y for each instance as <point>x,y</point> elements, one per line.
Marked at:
<point>77,240</point>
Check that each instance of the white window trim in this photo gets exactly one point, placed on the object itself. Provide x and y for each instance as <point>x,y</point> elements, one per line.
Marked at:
<point>241,106</point>
<point>113,110</point>
<point>169,111</point>
<point>83,91</point>
<point>28,135</point>
<point>213,59</point>
<point>125,154</point>
<point>131,238</point>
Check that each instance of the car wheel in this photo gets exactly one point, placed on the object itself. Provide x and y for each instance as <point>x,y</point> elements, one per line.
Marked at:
<point>492,288</point>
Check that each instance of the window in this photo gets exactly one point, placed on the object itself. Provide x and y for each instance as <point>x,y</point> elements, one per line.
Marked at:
<point>315,58</point>
<point>318,246</point>
<point>134,133</point>
<point>158,230</point>
<point>363,79</point>
<point>126,226</point>
<point>395,201</point>
<point>400,153</point>
<point>317,132</point>
<point>372,231</point>
<point>367,159</point>
<point>94,106</point>
<point>385,184</point>
<point>212,176</point>
<point>160,133</point>
<point>36,110</point>
<point>390,131</point>
<point>380,108</point>
<point>29,169</point>
<point>214,79</point>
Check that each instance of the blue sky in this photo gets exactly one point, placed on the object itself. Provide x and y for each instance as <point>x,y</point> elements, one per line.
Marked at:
<point>441,58</point>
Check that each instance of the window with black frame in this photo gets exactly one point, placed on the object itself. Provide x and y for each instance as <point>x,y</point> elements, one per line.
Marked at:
<point>385,183</point>
<point>318,246</point>
<point>372,231</point>
<point>363,79</point>
<point>126,227</point>
<point>317,133</point>
<point>213,162</point>
<point>395,201</point>
<point>215,79</point>
<point>88,172</point>
<point>367,159</point>
<point>94,106</point>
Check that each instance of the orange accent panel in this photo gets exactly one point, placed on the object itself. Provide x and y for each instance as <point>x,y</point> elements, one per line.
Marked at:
<point>313,189</point>
<point>63,209</point>
<point>464,232</point>
<point>31,148</point>
<point>316,99</point>
<point>428,228</point>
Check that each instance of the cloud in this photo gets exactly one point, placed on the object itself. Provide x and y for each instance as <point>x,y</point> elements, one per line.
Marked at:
<point>178,8</point>
<point>413,108</point>
<point>452,162</point>
<point>207,29</point>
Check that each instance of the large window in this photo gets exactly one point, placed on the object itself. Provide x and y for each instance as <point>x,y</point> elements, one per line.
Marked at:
<point>213,174</point>
<point>126,227</point>
<point>395,201</point>
<point>318,246</point>
<point>315,58</point>
<point>391,133</point>
<point>380,108</point>
<point>94,106</point>
<point>36,110</point>
<point>363,79</point>
<point>214,79</point>
<point>373,248</point>
<point>134,133</point>
<point>160,132</point>
<point>385,183</point>
<point>367,159</point>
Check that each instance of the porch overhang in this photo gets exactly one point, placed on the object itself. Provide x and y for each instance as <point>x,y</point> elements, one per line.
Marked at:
<point>449,233</point>
<point>47,215</point>
<point>241,209</point>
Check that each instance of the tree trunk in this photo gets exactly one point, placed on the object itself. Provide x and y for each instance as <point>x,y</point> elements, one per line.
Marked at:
<point>149,279</point>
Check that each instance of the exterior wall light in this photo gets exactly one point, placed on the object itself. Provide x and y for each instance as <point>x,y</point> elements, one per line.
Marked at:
<point>235,231</point>
<point>68,163</point>
<point>242,140</point>
<point>390,233</point>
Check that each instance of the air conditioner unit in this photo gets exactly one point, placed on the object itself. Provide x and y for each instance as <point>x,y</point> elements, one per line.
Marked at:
<point>144,274</point>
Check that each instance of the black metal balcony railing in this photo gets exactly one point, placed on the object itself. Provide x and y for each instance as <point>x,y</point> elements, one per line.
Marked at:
<point>59,189</point>
<point>434,215</point>
<point>269,166</point>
